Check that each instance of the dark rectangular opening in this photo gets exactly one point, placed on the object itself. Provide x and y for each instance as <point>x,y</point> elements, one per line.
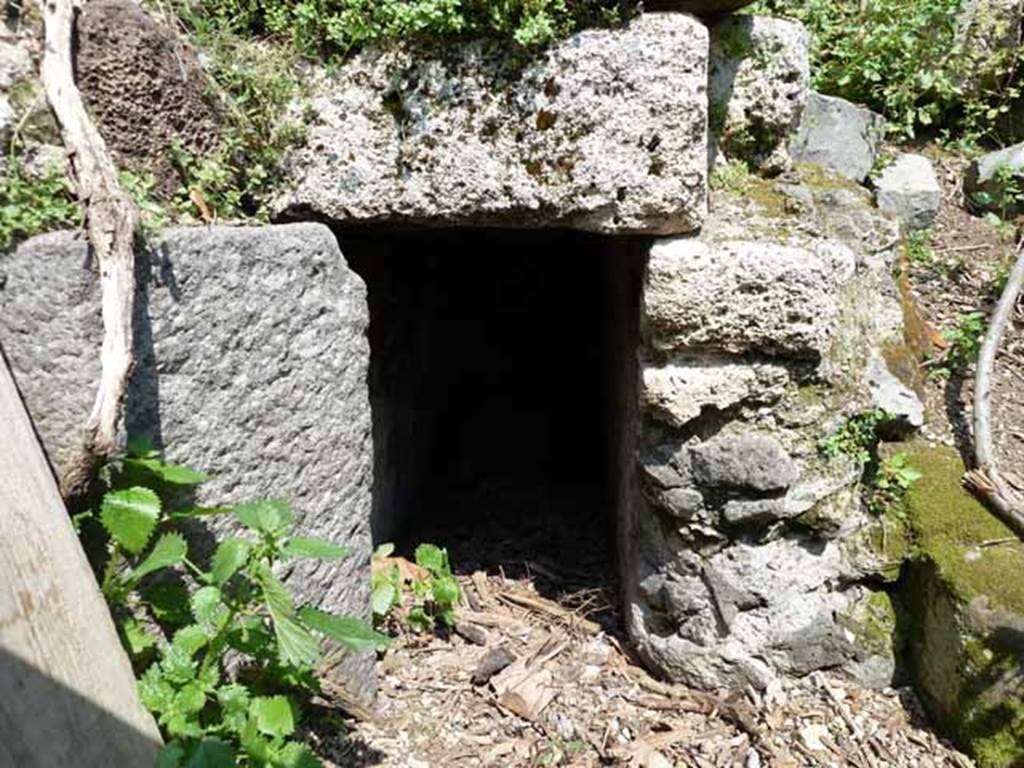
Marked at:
<point>502,366</point>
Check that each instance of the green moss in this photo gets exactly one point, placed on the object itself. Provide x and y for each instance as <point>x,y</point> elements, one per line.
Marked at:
<point>820,178</point>
<point>948,523</point>
<point>873,621</point>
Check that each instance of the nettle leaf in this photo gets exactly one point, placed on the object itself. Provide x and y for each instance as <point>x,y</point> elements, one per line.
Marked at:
<point>295,754</point>
<point>169,601</point>
<point>296,646</point>
<point>231,555</point>
<point>190,699</point>
<point>177,665</point>
<point>431,557</point>
<point>273,715</point>
<point>136,637</point>
<point>130,516</point>
<point>156,693</point>
<point>234,705</point>
<point>208,608</point>
<point>351,632</point>
<point>190,639</point>
<point>201,511</point>
<point>445,590</point>
<point>212,753</point>
<point>383,598</point>
<point>175,474</point>
<point>302,546</point>
<point>268,516</point>
<point>251,636</point>
<point>169,550</point>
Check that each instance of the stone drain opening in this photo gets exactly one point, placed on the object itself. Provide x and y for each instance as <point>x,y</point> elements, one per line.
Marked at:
<point>501,376</point>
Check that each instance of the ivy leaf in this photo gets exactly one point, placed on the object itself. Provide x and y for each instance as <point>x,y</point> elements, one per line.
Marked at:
<point>302,546</point>
<point>431,557</point>
<point>271,516</point>
<point>169,550</point>
<point>175,474</point>
<point>296,645</point>
<point>273,715</point>
<point>231,555</point>
<point>130,517</point>
<point>351,632</point>
<point>212,753</point>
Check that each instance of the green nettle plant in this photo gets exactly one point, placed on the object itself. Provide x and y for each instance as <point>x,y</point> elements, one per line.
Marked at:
<point>857,436</point>
<point>181,622</point>
<point>892,480</point>
<point>432,589</point>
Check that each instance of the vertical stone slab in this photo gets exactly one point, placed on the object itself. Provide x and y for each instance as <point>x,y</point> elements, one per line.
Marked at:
<point>251,361</point>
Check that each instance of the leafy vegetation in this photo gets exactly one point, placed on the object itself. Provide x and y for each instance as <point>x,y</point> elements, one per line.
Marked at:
<point>856,437</point>
<point>963,344</point>
<point>419,594</point>
<point>893,479</point>
<point>732,176</point>
<point>31,203</point>
<point>180,622</point>
<point>1009,200</point>
<point>901,58</point>
<point>317,26</point>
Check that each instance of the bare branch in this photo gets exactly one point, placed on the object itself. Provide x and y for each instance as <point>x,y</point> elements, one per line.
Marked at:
<point>985,481</point>
<point>111,221</point>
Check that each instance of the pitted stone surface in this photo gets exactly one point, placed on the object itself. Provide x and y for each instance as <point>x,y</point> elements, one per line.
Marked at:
<point>744,461</point>
<point>740,296</point>
<point>759,81</point>
<point>251,365</point>
<point>910,189</point>
<point>604,132</point>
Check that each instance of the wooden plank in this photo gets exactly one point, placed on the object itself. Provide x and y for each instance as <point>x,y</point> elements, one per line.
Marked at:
<point>67,692</point>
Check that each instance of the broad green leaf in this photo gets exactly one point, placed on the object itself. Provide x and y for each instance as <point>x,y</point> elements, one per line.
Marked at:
<point>430,557</point>
<point>273,715</point>
<point>296,645</point>
<point>201,512</point>
<point>156,693</point>
<point>445,590</point>
<point>384,550</point>
<point>190,639</point>
<point>182,724</point>
<point>169,601</point>
<point>171,756</point>
<point>177,665</point>
<point>212,753</point>
<point>175,474</point>
<point>294,754</point>
<point>347,630</point>
<point>130,517</point>
<point>231,555</point>
<point>141,447</point>
<point>234,705</point>
<point>255,745</point>
<point>271,516</point>
<point>383,598</point>
<point>250,636</point>
<point>137,638</point>
<point>301,546</point>
<point>190,699</point>
<point>170,549</point>
<point>208,608</point>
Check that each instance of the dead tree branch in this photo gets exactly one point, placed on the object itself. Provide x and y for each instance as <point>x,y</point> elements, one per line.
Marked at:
<point>111,221</point>
<point>984,480</point>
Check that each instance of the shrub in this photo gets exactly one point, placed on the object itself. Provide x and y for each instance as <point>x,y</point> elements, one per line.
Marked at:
<point>900,57</point>
<point>180,622</point>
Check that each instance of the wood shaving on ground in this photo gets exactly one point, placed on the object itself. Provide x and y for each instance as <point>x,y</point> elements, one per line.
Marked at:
<point>574,697</point>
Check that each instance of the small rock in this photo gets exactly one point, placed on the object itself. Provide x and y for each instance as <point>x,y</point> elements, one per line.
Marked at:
<point>745,460</point>
<point>987,177</point>
<point>843,137</point>
<point>492,663</point>
<point>755,512</point>
<point>889,394</point>
<point>810,736</point>
<point>471,633</point>
<point>909,189</point>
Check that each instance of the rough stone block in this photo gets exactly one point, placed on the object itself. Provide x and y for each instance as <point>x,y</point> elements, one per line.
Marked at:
<point>910,189</point>
<point>604,132</point>
<point>988,178</point>
<point>745,461</point>
<point>843,137</point>
<point>251,365</point>
<point>740,296</point>
<point>759,80</point>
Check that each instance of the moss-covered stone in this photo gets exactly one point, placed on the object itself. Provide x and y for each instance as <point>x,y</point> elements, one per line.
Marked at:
<point>965,598</point>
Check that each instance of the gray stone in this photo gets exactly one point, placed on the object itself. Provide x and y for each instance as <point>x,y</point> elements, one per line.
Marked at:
<point>758,83</point>
<point>605,132</point>
<point>745,296</point>
<point>989,176</point>
<point>251,362</point>
<point>909,189</point>
<point>843,137</point>
<point>746,461</point>
<point>891,395</point>
<point>755,512</point>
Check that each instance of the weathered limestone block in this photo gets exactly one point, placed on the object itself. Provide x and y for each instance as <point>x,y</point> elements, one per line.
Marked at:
<point>965,607</point>
<point>251,363</point>
<point>843,137</point>
<point>744,296</point>
<point>604,132</point>
<point>910,189</point>
<point>759,81</point>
